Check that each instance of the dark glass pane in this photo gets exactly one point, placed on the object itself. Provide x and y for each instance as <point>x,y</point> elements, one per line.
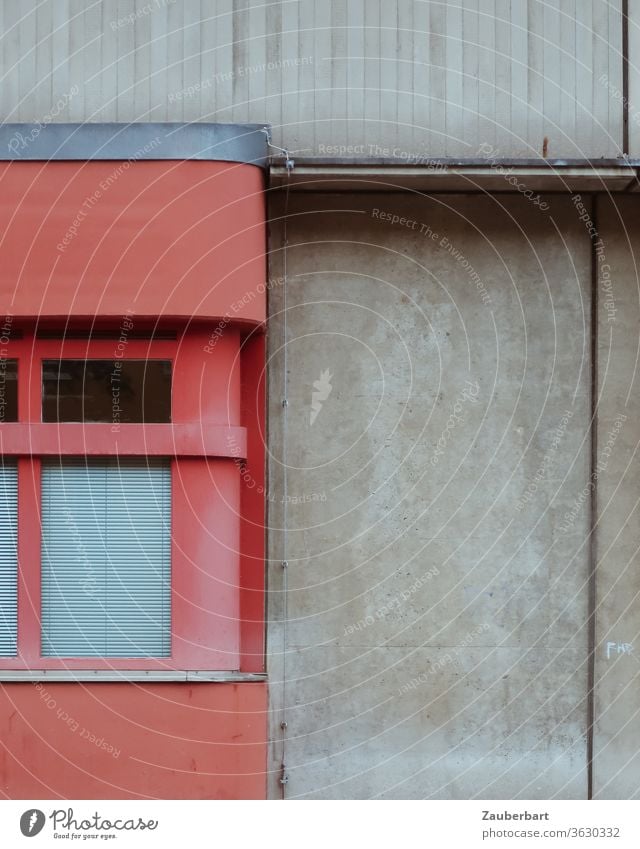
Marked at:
<point>115,391</point>
<point>8,390</point>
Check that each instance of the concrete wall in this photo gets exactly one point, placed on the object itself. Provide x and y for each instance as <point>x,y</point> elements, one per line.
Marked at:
<point>436,643</point>
<point>363,77</point>
<point>616,476</point>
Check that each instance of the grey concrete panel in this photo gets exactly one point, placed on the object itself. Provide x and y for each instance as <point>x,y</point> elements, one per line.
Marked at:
<point>617,713</point>
<point>426,494</point>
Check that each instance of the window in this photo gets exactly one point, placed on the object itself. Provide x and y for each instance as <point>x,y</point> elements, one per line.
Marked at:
<point>121,499</point>
<point>106,391</point>
<point>106,558</point>
<point>8,560</point>
<point>8,390</point>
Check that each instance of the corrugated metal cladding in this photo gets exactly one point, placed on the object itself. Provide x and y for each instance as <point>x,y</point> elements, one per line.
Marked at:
<point>106,562</point>
<point>386,78</point>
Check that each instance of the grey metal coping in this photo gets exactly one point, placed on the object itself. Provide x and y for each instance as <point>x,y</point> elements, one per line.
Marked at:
<point>423,159</point>
<point>455,175</point>
<point>247,143</point>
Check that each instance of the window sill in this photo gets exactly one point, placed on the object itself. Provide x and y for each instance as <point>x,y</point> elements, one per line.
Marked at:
<point>100,439</point>
<point>127,675</point>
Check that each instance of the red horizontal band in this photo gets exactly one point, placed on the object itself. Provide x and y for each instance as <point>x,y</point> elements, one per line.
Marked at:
<point>166,440</point>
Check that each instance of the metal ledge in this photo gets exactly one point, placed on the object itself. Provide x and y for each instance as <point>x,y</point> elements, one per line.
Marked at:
<point>457,175</point>
<point>126,675</point>
<point>23,439</point>
<point>247,143</point>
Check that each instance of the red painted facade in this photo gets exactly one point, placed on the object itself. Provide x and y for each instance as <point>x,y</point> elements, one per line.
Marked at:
<point>164,239</point>
<point>127,741</point>
<point>178,246</point>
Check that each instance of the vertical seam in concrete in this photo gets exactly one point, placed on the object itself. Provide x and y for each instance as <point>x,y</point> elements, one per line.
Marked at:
<point>593,507</point>
<point>625,77</point>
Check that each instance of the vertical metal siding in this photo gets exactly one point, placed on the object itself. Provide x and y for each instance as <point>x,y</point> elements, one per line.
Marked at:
<point>420,75</point>
<point>634,77</point>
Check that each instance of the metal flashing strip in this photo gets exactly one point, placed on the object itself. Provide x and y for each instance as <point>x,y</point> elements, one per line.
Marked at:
<point>457,175</point>
<point>126,675</point>
<point>245,143</point>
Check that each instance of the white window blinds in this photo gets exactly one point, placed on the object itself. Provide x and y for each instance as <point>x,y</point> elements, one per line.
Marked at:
<point>106,564</point>
<point>8,559</point>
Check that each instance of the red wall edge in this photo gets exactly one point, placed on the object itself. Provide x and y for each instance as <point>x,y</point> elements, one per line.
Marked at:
<point>253,497</point>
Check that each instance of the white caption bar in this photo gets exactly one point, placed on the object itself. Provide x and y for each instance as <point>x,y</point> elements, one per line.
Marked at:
<point>310,824</point>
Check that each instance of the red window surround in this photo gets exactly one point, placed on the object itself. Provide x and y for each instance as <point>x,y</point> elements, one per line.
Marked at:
<point>215,444</point>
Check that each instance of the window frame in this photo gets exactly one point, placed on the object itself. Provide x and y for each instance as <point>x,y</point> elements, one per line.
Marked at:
<point>6,360</point>
<point>183,442</point>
